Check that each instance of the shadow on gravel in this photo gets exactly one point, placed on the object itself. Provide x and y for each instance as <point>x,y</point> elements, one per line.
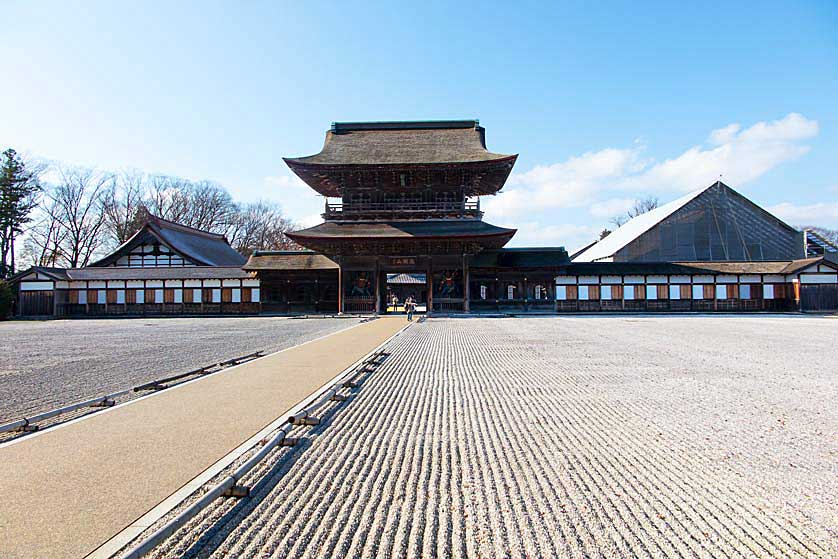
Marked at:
<point>213,538</point>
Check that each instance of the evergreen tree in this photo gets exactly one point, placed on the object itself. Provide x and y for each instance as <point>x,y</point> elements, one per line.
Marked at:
<point>18,197</point>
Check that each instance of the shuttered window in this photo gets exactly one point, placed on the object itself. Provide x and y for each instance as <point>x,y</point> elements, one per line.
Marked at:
<point>572,292</point>
<point>92,295</point>
<point>685,291</point>
<point>131,296</point>
<point>73,296</point>
<point>246,295</point>
<point>663,292</point>
<point>732,291</point>
<point>227,295</point>
<point>187,295</point>
<point>593,293</point>
<point>617,292</point>
<point>168,295</point>
<point>112,296</point>
<point>709,291</point>
<point>149,296</point>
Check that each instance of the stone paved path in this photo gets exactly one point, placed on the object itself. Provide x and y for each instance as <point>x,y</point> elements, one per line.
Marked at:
<point>69,489</point>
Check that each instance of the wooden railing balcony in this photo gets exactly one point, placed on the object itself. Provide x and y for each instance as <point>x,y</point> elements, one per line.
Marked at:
<point>365,210</point>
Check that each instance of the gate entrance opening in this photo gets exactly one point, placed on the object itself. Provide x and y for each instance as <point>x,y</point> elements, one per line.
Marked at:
<point>400,286</point>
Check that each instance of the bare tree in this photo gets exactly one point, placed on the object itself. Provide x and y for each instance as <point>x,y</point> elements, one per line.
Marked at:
<point>204,205</point>
<point>45,239</point>
<point>640,207</point>
<point>124,205</point>
<point>79,211</point>
<point>259,225</point>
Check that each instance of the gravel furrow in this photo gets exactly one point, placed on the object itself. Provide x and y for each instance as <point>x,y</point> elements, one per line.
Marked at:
<point>560,437</point>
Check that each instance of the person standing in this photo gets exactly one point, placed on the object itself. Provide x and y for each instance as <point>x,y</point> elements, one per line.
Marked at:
<point>409,306</point>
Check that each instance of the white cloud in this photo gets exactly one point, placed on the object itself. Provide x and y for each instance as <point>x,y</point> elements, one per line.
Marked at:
<point>286,183</point>
<point>724,135</point>
<point>299,202</point>
<point>572,183</point>
<point>738,155</point>
<point>821,213</point>
<point>611,207</point>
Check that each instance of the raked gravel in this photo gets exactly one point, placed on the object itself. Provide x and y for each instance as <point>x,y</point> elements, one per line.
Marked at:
<point>561,437</point>
<point>48,364</point>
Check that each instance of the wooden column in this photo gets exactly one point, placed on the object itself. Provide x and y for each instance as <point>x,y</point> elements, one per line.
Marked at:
<point>429,281</point>
<point>526,294</point>
<point>377,275</point>
<point>340,287</point>
<point>466,287</point>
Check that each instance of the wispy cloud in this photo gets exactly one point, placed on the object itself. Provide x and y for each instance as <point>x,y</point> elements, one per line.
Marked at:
<point>601,180</point>
<point>605,183</point>
<point>821,213</point>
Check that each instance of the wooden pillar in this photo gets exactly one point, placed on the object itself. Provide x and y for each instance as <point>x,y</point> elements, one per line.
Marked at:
<point>340,287</point>
<point>466,286</point>
<point>377,287</point>
<point>526,294</point>
<point>429,281</point>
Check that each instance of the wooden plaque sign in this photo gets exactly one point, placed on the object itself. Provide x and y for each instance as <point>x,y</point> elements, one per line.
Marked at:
<point>402,261</point>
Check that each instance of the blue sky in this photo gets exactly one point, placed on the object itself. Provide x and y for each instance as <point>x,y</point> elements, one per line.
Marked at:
<point>604,103</point>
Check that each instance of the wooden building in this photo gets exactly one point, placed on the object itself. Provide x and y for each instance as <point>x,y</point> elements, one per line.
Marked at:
<point>165,268</point>
<point>402,199</point>
<point>407,201</point>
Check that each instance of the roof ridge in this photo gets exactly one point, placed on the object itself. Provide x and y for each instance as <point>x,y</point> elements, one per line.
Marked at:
<point>156,219</point>
<point>357,126</point>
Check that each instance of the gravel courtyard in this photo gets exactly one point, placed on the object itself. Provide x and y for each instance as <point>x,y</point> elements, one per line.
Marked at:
<point>561,437</point>
<point>44,365</point>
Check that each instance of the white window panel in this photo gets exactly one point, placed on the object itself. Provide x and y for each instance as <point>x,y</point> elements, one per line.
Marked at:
<point>561,293</point>
<point>674,291</point>
<point>768,291</point>
<point>178,295</point>
<point>196,295</point>
<point>651,292</point>
<point>721,292</point>
<point>120,296</point>
<point>158,295</point>
<point>216,295</point>
<point>698,292</point>
<point>745,291</point>
<point>628,292</point>
<point>141,296</point>
<point>82,297</point>
<point>254,295</point>
<point>483,291</point>
<point>605,293</point>
<point>101,296</point>
<point>583,293</point>
<point>237,295</point>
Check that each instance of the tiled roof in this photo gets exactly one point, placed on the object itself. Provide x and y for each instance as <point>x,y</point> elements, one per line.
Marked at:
<point>401,230</point>
<point>289,260</point>
<point>201,247</point>
<point>550,257</point>
<point>392,143</point>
